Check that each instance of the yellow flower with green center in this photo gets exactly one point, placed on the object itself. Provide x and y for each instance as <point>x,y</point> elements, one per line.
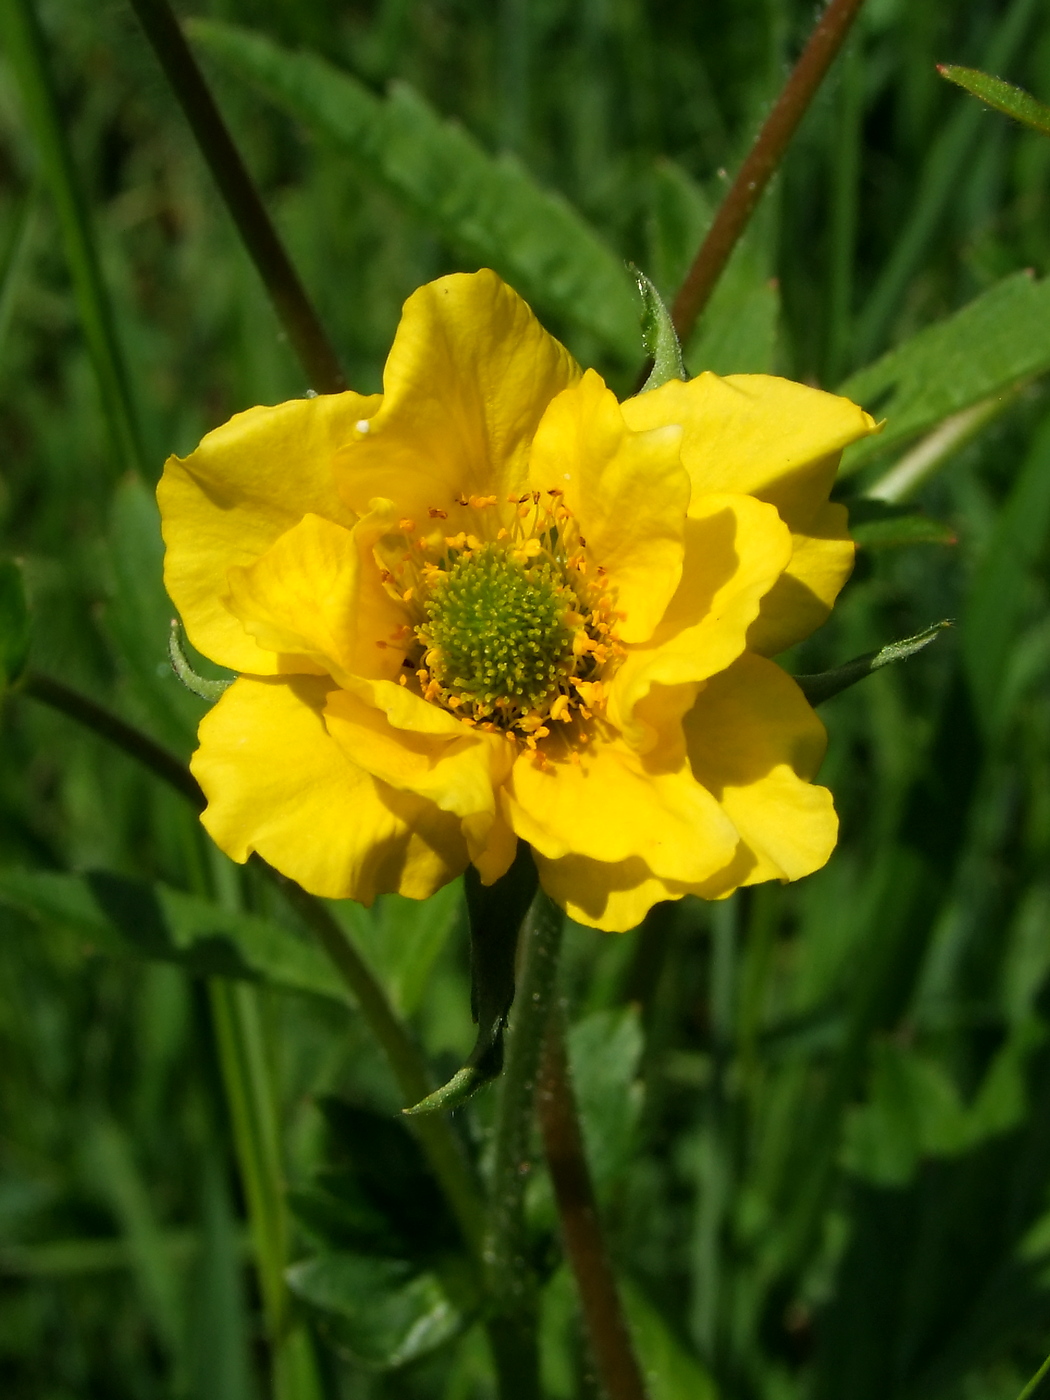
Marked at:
<point>492,604</point>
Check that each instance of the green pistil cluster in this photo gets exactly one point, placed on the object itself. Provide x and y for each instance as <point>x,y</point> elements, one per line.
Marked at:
<point>497,633</point>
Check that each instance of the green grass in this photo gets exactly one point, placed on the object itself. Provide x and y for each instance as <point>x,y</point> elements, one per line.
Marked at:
<point>819,1116</point>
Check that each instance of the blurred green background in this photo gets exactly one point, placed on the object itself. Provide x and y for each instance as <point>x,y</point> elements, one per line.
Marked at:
<point>819,1116</point>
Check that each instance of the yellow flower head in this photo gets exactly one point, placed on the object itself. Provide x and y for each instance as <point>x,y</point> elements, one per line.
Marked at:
<point>494,604</point>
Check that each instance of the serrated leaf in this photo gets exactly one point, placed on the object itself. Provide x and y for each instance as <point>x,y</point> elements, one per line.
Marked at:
<point>878,525</point>
<point>488,208</point>
<point>998,340</point>
<point>1004,97</point>
<point>14,623</point>
<point>381,1311</point>
<point>119,915</point>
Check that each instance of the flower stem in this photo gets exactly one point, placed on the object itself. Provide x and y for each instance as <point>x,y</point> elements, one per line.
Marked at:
<point>438,1140</point>
<point>761,162</point>
<point>606,1325</point>
<point>27,50</point>
<point>510,1280</point>
<point>296,314</point>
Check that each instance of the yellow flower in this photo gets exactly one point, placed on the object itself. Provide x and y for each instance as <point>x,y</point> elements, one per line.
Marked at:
<point>494,604</point>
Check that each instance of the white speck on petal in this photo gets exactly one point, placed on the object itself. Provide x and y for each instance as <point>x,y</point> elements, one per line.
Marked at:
<point>363,426</point>
<point>568,476</point>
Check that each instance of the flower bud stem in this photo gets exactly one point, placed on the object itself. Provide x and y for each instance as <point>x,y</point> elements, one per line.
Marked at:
<point>588,1257</point>
<point>293,307</point>
<point>511,1284</point>
<point>761,162</point>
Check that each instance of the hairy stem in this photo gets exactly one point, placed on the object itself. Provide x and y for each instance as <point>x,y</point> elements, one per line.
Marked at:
<point>439,1142</point>
<point>761,162</point>
<point>296,314</point>
<point>510,1277</point>
<point>607,1330</point>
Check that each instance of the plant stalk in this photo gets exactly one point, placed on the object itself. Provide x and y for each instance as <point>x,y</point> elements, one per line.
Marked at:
<point>511,1283</point>
<point>563,1146</point>
<point>293,307</point>
<point>761,162</point>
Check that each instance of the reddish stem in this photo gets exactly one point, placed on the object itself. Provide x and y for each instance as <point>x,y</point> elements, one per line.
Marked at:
<point>762,160</point>
<point>563,1147</point>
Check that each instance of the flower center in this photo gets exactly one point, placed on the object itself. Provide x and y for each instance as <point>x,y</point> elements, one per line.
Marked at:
<point>513,627</point>
<point>497,632</point>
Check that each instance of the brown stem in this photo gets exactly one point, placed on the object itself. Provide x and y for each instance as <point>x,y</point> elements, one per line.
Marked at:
<point>762,160</point>
<point>606,1326</point>
<point>290,301</point>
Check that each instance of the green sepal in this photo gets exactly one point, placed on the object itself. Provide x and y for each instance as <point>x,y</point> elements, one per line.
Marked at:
<point>1004,97</point>
<point>822,686</point>
<point>496,913</point>
<point>876,524</point>
<point>199,685</point>
<point>14,623</point>
<point>659,337</point>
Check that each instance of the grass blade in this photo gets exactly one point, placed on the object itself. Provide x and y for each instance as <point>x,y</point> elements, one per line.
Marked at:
<point>27,51</point>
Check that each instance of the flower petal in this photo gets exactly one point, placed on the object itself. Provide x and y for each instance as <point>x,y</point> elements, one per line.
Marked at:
<point>616,896</point>
<point>227,502</point>
<point>468,378</point>
<point>277,783</point>
<point>458,772</point>
<point>613,805</point>
<point>779,441</point>
<point>315,598</point>
<point>736,549</point>
<point>756,744</point>
<point>627,490</point>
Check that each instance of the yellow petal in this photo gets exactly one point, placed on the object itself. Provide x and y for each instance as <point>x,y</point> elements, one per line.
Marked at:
<point>468,378</point>
<point>627,490</point>
<point>781,442</point>
<point>277,783</point>
<point>755,743</point>
<point>614,805</point>
<point>226,503</point>
<point>616,896</point>
<point>800,600</point>
<point>493,855</point>
<point>315,596</point>
<point>736,549</point>
<point>458,772</point>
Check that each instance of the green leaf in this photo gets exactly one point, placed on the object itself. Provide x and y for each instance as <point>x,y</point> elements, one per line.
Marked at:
<point>605,1050</point>
<point>381,1311</point>
<point>877,525</point>
<point>377,1175</point>
<point>996,603</point>
<point>659,337</point>
<point>1004,97</point>
<point>822,686</point>
<point>123,916</point>
<point>671,1371</point>
<point>997,340</point>
<point>14,623</point>
<point>488,208</point>
<point>401,938</point>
